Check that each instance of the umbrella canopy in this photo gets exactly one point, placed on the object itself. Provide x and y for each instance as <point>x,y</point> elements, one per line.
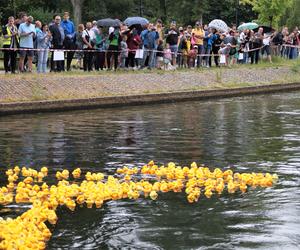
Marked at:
<point>136,21</point>
<point>248,26</point>
<point>267,29</point>
<point>219,25</point>
<point>108,22</point>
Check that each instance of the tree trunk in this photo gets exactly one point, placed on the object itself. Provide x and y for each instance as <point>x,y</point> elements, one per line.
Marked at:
<point>77,10</point>
<point>163,7</point>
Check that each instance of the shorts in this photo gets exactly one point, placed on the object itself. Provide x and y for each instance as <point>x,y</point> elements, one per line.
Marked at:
<point>29,52</point>
<point>174,49</point>
<point>160,59</point>
<point>166,61</point>
<point>267,49</point>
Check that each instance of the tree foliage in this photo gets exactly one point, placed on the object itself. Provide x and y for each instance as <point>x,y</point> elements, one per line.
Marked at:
<point>183,11</point>
<point>270,11</point>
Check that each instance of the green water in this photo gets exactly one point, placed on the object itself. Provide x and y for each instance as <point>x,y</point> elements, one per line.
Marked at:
<point>249,134</point>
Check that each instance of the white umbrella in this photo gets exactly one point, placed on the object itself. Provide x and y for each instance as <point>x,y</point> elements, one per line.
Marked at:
<point>219,25</point>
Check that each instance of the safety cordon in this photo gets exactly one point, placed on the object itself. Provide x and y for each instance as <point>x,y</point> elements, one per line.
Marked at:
<point>115,51</point>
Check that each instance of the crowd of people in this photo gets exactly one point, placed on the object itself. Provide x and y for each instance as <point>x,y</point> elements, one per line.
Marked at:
<point>136,47</point>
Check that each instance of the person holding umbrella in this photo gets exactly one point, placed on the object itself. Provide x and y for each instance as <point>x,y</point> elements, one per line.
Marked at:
<point>133,42</point>
<point>149,37</point>
<point>257,44</point>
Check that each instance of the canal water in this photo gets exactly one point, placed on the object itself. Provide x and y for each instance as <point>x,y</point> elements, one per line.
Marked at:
<point>249,134</point>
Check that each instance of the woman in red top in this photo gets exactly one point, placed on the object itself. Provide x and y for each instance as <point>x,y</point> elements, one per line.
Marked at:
<point>133,42</point>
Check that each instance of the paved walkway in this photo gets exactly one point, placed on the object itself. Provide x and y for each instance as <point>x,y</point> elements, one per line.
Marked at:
<point>33,87</point>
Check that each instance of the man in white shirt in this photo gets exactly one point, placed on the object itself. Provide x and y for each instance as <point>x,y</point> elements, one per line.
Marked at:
<point>88,37</point>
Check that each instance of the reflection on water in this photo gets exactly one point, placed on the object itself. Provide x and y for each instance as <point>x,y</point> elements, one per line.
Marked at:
<point>258,134</point>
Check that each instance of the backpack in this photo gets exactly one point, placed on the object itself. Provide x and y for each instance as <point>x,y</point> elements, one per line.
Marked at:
<point>151,42</point>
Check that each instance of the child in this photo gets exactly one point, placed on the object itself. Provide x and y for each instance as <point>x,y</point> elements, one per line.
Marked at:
<point>241,53</point>
<point>160,54</point>
<point>124,51</point>
<point>192,56</point>
<point>167,56</point>
<point>186,47</point>
<point>224,52</point>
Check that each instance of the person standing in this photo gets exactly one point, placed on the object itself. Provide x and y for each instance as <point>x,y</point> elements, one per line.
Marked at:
<point>124,51</point>
<point>88,37</point>
<point>58,37</point>
<point>11,42</point>
<point>134,42</point>
<point>160,29</point>
<point>257,45</point>
<point>149,37</point>
<point>79,45</point>
<point>198,35</point>
<point>267,46</point>
<point>215,49</point>
<point>210,39</point>
<point>69,41</point>
<point>43,43</point>
<point>26,32</point>
<point>100,49</point>
<point>95,27</point>
<point>181,38</point>
<point>172,39</point>
<point>114,44</point>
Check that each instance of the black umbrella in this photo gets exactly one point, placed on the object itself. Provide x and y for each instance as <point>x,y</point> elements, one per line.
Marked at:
<point>267,29</point>
<point>109,22</point>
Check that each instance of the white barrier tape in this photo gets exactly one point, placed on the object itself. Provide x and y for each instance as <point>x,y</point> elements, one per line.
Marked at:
<point>112,51</point>
<point>291,46</point>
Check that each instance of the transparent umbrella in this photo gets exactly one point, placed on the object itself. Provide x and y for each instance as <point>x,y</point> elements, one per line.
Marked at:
<point>136,21</point>
<point>218,25</point>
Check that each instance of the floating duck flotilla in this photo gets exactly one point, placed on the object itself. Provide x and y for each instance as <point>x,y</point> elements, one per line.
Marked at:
<point>27,185</point>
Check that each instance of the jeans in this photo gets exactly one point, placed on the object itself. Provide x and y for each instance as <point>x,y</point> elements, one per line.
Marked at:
<point>246,57</point>
<point>174,50</point>
<point>42,61</point>
<point>150,53</point>
<point>123,62</point>
<point>200,58</point>
<point>207,58</point>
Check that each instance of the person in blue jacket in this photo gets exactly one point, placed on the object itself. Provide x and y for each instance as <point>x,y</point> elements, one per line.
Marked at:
<point>210,38</point>
<point>69,41</point>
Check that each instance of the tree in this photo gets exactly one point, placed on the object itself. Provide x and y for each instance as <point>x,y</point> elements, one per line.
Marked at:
<point>270,11</point>
<point>77,10</point>
<point>293,19</point>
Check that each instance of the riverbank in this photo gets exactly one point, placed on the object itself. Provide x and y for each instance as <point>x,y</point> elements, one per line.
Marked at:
<point>74,90</point>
